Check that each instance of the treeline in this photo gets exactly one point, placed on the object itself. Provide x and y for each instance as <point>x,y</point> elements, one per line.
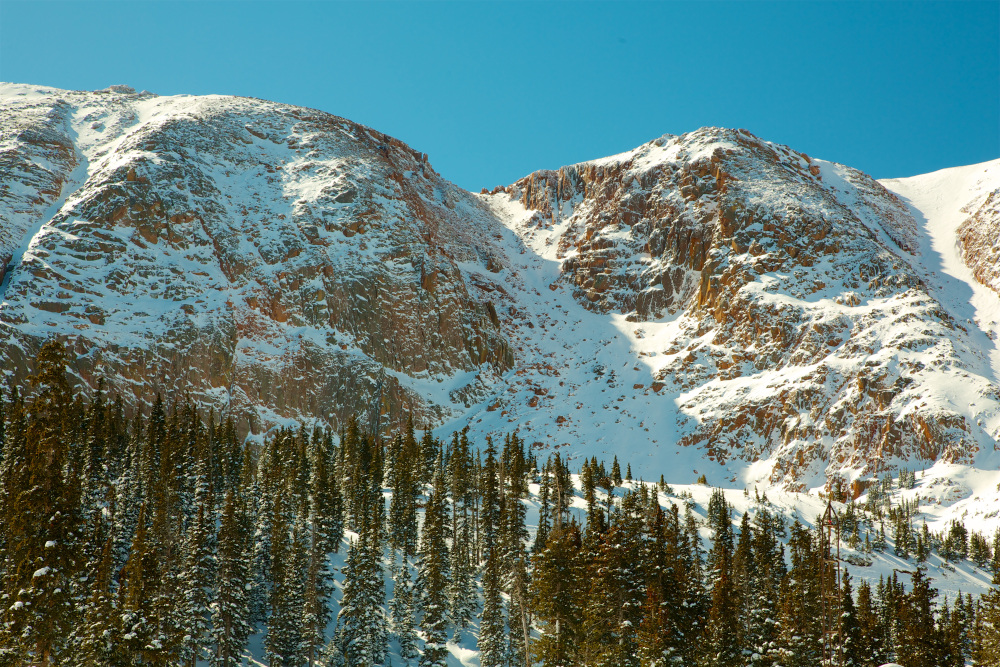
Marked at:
<point>164,540</point>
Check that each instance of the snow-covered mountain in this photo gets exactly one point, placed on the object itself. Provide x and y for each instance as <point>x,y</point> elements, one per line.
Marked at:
<point>709,303</point>
<point>277,262</point>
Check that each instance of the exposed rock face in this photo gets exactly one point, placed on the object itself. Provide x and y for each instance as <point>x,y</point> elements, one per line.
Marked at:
<point>979,237</point>
<point>279,262</point>
<point>772,313</point>
<point>806,334</point>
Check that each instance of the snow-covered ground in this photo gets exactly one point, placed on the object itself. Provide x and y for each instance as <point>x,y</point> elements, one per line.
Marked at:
<point>950,579</point>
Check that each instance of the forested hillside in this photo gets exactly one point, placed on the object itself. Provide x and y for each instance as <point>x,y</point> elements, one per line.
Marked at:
<point>163,539</point>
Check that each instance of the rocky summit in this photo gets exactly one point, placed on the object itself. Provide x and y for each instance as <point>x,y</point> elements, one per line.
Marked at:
<point>709,303</point>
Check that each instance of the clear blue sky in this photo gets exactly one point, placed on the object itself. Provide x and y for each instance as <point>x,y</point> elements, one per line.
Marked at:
<point>492,91</point>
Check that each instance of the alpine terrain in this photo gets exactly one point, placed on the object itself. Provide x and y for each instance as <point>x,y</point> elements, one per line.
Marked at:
<point>711,302</point>
<point>224,323</point>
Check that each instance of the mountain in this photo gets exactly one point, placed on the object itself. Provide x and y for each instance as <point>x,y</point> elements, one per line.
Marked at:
<point>709,303</point>
<point>276,262</point>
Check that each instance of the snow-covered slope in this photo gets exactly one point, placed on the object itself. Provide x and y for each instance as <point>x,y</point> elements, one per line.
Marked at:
<point>779,317</point>
<point>276,262</point>
<point>709,303</point>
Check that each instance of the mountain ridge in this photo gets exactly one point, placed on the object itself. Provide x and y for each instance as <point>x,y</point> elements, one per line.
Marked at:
<point>770,312</point>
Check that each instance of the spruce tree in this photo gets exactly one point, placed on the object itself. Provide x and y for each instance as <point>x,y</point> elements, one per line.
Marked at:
<point>434,574</point>
<point>98,637</point>
<point>723,636</point>
<point>283,641</point>
<point>43,522</point>
<point>492,627</point>
<point>613,612</point>
<point>870,644</point>
<point>198,582</point>
<point>136,593</point>
<point>918,641</point>
<point>849,644</point>
<point>324,531</point>
<point>986,650</point>
<point>402,609</point>
<point>800,613</point>
<point>230,608</point>
<point>558,597</point>
<point>361,620</point>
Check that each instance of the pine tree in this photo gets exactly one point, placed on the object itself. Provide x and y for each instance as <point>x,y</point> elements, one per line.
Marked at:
<point>434,574</point>
<point>462,587</point>
<point>98,641</point>
<point>231,607</point>
<point>986,650</point>
<point>850,632</point>
<point>871,644</point>
<point>325,529</point>
<point>283,641</point>
<point>558,597</point>
<point>197,579</point>
<point>800,613</point>
<point>405,472</point>
<point>492,625</point>
<point>666,617</point>
<point>723,638</point>
<point>362,625</point>
<point>136,592</point>
<point>613,612</point>
<point>43,523</point>
<point>762,626</point>
<point>918,642</point>
<point>995,561</point>
<point>402,609</point>
<point>513,536</point>
<point>461,591</point>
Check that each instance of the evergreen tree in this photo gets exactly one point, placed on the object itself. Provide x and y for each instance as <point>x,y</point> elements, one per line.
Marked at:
<point>197,580</point>
<point>513,536</point>
<point>363,631</point>
<point>461,591</point>
<point>558,597</point>
<point>492,626</point>
<point>986,643</point>
<point>43,523</point>
<point>405,473</point>
<point>283,641</point>
<point>723,638</point>
<point>402,610</point>
<point>434,574</point>
<point>98,640</point>
<point>849,645</point>
<point>136,593</point>
<point>325,529</point>
<point>800,612</point>
<point>613,612</point>
<point>230,608</point>
<point>918,642</point>
<point>871,643</point>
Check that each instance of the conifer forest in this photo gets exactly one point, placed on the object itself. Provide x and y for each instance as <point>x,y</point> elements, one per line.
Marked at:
<point>163,537</point>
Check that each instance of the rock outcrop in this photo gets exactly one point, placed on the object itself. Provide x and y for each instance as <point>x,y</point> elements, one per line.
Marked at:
<point>979,237</point>
<point>804,331</point>
<point>278,263</point>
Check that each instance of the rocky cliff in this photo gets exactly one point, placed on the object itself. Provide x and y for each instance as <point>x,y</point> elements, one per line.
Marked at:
<point>707,303</point>
<point>277,262</point>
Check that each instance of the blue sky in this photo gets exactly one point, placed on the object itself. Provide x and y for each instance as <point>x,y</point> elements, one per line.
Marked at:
<point>494,90</point>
